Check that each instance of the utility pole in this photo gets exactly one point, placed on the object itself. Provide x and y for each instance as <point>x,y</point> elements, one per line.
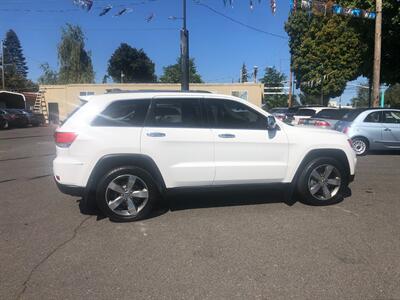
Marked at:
<point>2,64</point>
<point>290,101</point>
<point>184,52</point>
<point>377,53</point>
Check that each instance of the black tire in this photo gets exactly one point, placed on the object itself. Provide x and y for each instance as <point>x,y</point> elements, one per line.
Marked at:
<point>5,125</point>
<point>305,179</point>
<point>360,145</point>
<point>144,178</point>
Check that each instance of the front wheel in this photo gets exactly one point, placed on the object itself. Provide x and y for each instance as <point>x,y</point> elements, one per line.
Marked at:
<point>126,194</point>
<point>322,182</point>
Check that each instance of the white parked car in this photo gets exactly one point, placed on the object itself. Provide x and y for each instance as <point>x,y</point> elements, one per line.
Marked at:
<point>306,113</point>
<point>131,148</point>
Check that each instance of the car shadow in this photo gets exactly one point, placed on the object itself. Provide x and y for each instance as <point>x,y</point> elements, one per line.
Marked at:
<point>383,152</point>
<point>196,199</point>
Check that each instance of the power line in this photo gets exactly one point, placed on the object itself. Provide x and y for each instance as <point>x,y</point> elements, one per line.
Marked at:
<point>239,22</point>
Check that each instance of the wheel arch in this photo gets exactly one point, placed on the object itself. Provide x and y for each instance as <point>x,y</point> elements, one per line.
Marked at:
<point>361,137</point>
<point>108,162</point>
<point>338,154</point>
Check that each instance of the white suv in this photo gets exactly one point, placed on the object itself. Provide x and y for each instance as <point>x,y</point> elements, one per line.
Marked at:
<point>131,148</point>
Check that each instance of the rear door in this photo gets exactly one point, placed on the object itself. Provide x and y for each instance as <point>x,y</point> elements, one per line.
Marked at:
<point>391,129</point>
<point>245,151</point>
<point>176,138</point>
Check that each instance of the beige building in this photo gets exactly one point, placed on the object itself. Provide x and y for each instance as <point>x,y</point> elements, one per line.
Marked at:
<point>62,99</point>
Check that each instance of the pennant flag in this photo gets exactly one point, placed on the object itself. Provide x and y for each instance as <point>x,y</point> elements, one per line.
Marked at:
<point>150,17</point>
<point>123,11</point>
<point>85,4</point>
<point>273,6</point>
<point>105,10</point>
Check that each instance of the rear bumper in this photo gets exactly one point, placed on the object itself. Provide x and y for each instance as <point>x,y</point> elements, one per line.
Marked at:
<point>71,190</point>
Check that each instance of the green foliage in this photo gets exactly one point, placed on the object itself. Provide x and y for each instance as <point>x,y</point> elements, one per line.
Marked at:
<point>323,46</point>
<point>173,73</point>
<point>49,76</point>
<point>274,78</point>
<point>392,96</point>
<point>134,64</point>
<point>75,62</point>
<point>13,57</point>
<point>362,98</point>
<point>244,76</point>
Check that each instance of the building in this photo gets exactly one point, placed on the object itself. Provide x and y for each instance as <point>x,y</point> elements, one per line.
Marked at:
<point>62,99</point>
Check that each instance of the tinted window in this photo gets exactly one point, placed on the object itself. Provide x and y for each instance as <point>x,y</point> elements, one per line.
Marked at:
<point>232,114</point>
<point>278,110</point>
<point>391,117</point>
<point>351,115</point>
<point>333,114</point>
<point>305,112</point>
<point>175,113</point>
<point>123,113</point>
<point>374,117</point>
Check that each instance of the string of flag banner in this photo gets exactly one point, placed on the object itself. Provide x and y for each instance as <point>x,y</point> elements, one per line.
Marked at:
<point>251,4</point>
<point>331,8</point>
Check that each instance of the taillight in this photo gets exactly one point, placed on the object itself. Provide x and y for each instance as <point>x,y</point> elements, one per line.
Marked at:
<point>301,121</point>
<point>345,130</point>
<point>64,139</point>
<point>322,123</point>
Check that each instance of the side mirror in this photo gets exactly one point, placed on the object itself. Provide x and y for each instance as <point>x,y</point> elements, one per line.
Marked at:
<point>271,123</point>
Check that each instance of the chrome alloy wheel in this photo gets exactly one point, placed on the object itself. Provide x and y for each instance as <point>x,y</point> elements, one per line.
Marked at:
<point>127,195</point>
<point>324,182</point>
<point>359,146</point>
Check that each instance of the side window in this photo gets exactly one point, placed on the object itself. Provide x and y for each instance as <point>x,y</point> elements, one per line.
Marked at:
<point>175,113</point>
<point>391,117</point>
<point>233,115</point>
<point>374,117</point>
<point>123,113</point>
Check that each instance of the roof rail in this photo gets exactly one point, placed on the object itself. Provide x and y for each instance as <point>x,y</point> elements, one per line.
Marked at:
<point>119,91</point>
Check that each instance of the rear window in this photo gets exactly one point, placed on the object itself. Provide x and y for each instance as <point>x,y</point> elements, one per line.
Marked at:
<point>351,115</point>
<point>305,112</point>
<point>279,110</point>
<point>333,114</point>
<point>123,113</point>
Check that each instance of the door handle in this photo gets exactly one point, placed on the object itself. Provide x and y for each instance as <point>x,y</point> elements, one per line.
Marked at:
<point>155,134</point>
<point>226,135</point>
<point>387,129</point>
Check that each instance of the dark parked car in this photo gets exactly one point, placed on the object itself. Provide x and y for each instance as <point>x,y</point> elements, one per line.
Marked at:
<point>34,119</point>
<point>17,118</point>
<point>5,119</point>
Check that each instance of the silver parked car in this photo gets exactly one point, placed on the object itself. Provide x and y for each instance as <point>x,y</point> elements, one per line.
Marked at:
<point>326,118</point>
<point>372,129</point>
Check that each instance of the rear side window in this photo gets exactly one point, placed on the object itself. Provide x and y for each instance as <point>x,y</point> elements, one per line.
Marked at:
<point>351,115</point>
<point>391,117</point>
<point>332,114</point>
<point>374,117</point>
<point>233,115</point>
<point>184,113</point>
<point>123,113</point>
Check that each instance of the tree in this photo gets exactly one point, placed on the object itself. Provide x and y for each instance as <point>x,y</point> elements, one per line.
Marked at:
<point>244,76</point>
<point>173,73</point>
<point>49,76</point>
<point>362,98</point>
<point>74,61</point>
<point>13,57</point>
<point>274,78</point>
<point>133,63</point>
<point>392,96</point>
<point>326,53</point>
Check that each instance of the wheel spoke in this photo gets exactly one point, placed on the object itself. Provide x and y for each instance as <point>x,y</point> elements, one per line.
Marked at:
<point>131,206</point>
<point>328,171</point>
<point>334,181</point>
<point>140,194</point>
<point>131,182</point>
<point>315,188</point>
<point>115,203</point>
<point>316,175</point>
<point>116,188</point>
<point>327,193</point>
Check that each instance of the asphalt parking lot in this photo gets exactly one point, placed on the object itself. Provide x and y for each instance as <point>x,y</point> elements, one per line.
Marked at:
<point>237,245</point>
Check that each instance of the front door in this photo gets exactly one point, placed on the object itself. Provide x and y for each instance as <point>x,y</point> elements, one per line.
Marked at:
<point>391,129</point>
<point>245,151</point>
<point>176,138</point>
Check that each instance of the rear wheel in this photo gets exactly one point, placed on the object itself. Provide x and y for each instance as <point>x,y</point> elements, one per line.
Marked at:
<point>322,182</point>
<point>4,125</point>
<point>126,194</point>
<point>360,145</point>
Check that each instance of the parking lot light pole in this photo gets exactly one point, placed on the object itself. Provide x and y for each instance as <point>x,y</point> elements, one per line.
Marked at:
<point>184,52</point>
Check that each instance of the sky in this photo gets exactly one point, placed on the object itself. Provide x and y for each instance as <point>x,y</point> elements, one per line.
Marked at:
<point>219,45</point>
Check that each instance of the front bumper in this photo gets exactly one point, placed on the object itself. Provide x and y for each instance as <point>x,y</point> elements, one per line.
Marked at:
<point>71,190</point>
